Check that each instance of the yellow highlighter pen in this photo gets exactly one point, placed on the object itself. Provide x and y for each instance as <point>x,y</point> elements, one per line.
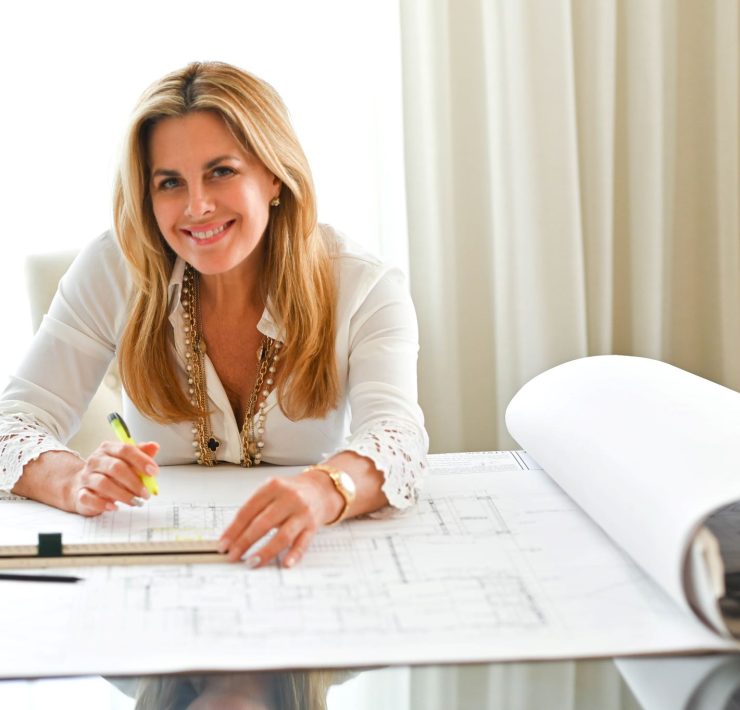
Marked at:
<point>121,431</point>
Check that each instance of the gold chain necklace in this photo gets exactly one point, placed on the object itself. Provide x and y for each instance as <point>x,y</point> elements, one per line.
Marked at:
<point>205,443</point>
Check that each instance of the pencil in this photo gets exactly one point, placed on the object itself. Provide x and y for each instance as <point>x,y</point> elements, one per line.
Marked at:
<point>38,578</point>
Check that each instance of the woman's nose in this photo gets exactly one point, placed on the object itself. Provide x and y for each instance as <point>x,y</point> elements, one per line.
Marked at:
<point>199,202</point>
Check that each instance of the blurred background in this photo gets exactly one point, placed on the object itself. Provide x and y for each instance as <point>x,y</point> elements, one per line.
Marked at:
<point>559,178</point>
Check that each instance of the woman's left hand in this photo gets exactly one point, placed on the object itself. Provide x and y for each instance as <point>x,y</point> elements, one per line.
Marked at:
<point>296,507</point>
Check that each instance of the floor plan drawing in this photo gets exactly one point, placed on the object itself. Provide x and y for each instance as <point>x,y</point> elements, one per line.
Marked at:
<point>494,563</point>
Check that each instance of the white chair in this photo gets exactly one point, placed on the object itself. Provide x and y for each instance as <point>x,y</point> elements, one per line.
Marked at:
<point>43,272</point>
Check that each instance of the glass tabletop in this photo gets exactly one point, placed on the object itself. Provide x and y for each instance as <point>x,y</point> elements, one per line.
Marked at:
<point>709,682</point>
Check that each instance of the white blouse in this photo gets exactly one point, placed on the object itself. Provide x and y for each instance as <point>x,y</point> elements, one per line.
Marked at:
<point>376,352</point>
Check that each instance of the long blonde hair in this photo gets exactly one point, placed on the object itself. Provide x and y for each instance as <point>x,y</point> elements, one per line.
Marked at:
<point>286,690</point>
<point>297,281</point>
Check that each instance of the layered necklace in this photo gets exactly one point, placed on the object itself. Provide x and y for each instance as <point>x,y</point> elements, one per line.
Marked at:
<point>205,443</point>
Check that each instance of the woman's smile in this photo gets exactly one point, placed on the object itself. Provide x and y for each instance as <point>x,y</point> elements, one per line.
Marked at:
<point>208,233</point>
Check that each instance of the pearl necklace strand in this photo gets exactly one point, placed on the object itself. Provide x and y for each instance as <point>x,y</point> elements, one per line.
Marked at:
<point>252,437</point>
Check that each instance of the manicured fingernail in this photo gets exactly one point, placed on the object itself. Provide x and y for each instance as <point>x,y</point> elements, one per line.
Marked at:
<point>138,502</point>
<point>289,561</point>
<point>252,561</point>
<point>110,506</point>
<point>223,545</point>
<point>144,493</point>
<point>151,469</point>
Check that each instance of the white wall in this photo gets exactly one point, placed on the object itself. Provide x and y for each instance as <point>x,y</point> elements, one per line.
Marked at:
<point>73,70</point>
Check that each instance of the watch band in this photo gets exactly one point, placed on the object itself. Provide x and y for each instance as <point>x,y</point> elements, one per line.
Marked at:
<point>342,482</point>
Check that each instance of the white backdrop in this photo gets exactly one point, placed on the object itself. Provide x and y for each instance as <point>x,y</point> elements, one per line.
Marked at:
<point>72,72</point>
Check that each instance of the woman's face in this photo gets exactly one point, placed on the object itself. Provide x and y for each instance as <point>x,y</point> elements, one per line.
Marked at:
<point>211,198</point>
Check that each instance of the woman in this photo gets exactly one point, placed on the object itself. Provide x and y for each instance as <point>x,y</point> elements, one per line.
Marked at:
<point>245,332</point>
<point>283,690</point>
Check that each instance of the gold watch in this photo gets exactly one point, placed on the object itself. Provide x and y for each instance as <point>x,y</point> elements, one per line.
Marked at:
<point>342,482</point>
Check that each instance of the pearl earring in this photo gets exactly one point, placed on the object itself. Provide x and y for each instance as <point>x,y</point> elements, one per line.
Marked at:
<point>275,202</point>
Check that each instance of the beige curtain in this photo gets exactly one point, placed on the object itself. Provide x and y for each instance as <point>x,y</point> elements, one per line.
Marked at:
<point>555,685</point>
<point>572,177</point>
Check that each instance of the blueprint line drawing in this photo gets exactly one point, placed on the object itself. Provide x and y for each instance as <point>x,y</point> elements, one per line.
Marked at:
<point>492,563</point>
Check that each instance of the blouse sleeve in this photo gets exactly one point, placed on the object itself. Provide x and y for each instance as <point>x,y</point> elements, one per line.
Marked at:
<point>43,403</point>
<point>387,425</point>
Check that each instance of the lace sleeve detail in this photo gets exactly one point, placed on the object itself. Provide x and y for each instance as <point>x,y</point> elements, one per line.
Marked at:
<point>22,439</point>
<point>398,450</point>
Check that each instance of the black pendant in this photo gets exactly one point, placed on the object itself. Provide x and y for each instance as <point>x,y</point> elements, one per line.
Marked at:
<point>213,443</point>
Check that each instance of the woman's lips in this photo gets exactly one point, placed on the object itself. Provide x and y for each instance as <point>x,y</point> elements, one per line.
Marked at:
<point>208,233</point>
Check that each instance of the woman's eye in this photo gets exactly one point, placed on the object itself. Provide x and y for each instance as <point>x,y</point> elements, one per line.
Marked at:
<point>168,184</point>
<point>222,171</point>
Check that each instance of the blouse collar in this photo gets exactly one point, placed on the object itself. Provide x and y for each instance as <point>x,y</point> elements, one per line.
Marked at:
<point>266,325</point>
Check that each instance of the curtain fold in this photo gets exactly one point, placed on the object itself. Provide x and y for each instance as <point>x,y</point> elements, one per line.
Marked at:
<point>555,685</point>
<point>572,184</point>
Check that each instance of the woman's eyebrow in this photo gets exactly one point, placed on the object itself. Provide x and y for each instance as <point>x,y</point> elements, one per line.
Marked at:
<point>165,172</point>
<point>210,164</point>
<point>220,159</point>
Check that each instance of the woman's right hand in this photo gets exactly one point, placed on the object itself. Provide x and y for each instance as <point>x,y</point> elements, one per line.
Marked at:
<point>110,474</point>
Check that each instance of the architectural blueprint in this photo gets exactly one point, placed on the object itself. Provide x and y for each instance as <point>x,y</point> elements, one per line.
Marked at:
<point>495,562</point>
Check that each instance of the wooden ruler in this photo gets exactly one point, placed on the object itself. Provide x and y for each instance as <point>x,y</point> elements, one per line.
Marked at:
<point>180,552</point>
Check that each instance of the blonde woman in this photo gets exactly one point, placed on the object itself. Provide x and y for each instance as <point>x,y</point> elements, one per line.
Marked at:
<point>245,332</point>
<point>282,690</point>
